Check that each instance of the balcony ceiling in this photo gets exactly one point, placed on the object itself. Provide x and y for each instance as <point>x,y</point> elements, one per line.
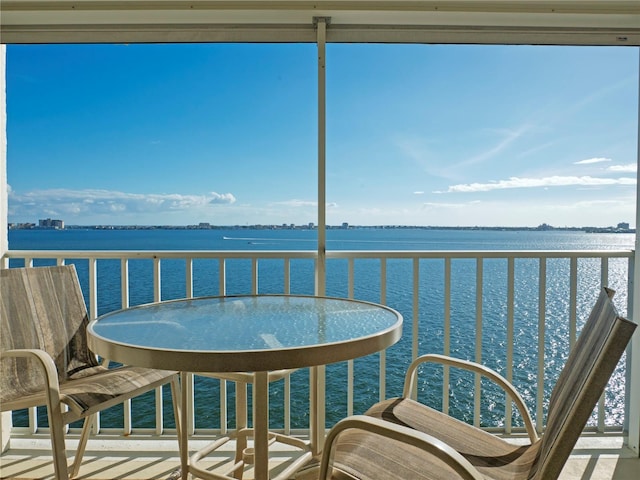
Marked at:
<point>568,22</point>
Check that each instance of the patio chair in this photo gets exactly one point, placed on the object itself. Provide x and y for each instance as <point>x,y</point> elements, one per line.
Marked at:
<point>401,438</point>
<point>45,359</point>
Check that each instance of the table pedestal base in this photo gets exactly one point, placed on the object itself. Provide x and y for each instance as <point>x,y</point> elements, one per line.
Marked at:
<point>247,456</point>
<point>258,454</point>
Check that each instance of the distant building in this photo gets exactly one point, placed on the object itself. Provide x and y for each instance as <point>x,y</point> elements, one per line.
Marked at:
<point>544,227</point>
<point>204,225</point>
<point>21,226</point>
<point>623,226</point>
<point>345,225</point>
<point>49,223</point>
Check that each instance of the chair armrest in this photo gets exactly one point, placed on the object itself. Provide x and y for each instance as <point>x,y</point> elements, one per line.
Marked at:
<point>48,368</point>
<point>429,444</point>
<point>487,372</point>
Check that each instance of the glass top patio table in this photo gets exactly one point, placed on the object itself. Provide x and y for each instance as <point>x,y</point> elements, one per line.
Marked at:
<point>248,333</point>
<point>244,333</point>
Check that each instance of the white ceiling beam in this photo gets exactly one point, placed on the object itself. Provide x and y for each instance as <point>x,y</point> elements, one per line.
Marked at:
<point>596,22</point>
<point>520,6</point>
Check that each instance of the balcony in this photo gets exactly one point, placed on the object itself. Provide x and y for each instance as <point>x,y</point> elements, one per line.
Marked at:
<point>432,284</point>
<point>552,289</point>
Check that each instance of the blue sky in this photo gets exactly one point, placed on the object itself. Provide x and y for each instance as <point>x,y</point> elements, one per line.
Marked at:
<point>416,134</point>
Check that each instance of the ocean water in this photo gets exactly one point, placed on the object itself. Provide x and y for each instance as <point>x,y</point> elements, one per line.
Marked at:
<point>337,239</point>
<point>399,295</point>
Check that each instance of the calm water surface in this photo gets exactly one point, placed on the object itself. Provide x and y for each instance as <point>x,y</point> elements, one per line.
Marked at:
<point>352,239</point>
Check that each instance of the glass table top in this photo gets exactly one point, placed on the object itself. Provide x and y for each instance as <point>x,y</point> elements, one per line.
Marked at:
<point>246,323</point>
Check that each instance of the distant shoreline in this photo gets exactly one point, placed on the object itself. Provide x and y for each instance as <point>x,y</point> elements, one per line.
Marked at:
<point>539,228</point>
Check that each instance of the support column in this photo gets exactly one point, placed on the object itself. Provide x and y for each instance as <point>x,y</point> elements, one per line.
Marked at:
<point>317,374</point>
<point>633,362</point>
<point>5,421</point>
<point>321,28</point>
<point>4,188</point>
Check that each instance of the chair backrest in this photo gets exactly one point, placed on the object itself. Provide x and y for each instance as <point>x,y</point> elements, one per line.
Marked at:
<point>586,373</point>
<point>42,308</point>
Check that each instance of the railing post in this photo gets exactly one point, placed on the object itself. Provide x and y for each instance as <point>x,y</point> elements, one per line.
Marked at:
<point>542,307</point>
<point>124,303</point>
<point>5,430</point>
<point>93,313</point>
<point>632,391</point>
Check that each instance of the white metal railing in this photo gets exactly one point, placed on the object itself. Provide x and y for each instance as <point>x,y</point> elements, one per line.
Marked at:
<point>386,277</point>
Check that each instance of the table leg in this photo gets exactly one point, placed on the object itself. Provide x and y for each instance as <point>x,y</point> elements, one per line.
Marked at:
<point>261,425</point>
<point>241,424</point>
<point>317,408</point>
<point>184,448</point>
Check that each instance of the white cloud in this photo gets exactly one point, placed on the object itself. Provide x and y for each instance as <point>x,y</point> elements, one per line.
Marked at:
<point>535,149</point>
<point>554,181</point>
<point>303,203</point>
<point>297,203</point>
<point>224,198</point>
<point>629,168</point>
<point>589,161</point>
<point>92,202</point>
<point>418,193</point>
<point>509,136</point>
<point>428,154</point>
<point>439,205</point>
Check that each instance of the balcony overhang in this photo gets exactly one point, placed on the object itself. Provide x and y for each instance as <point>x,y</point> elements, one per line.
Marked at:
<point>596,22</point>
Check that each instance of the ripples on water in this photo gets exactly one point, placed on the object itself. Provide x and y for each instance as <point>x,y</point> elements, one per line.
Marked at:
<point>431,328</point>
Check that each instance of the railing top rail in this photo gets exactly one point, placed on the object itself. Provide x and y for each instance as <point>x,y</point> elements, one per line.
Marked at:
<point>479,253</point>
<point>151,254</point>
<point>310,254</point>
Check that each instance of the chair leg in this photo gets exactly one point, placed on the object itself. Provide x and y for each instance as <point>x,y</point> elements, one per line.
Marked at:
<point>82,445</point>
<point>175,399</point>
<point>56,427</point>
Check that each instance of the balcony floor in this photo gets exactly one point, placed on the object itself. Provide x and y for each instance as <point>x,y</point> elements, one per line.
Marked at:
<point>140,457</point>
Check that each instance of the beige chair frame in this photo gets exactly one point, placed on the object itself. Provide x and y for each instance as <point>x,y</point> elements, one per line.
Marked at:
<point>588,368</point>
<point>57,389</point>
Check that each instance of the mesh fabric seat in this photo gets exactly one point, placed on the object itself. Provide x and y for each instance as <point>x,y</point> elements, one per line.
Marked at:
<point>45,359</point>
<point>401,438</point>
